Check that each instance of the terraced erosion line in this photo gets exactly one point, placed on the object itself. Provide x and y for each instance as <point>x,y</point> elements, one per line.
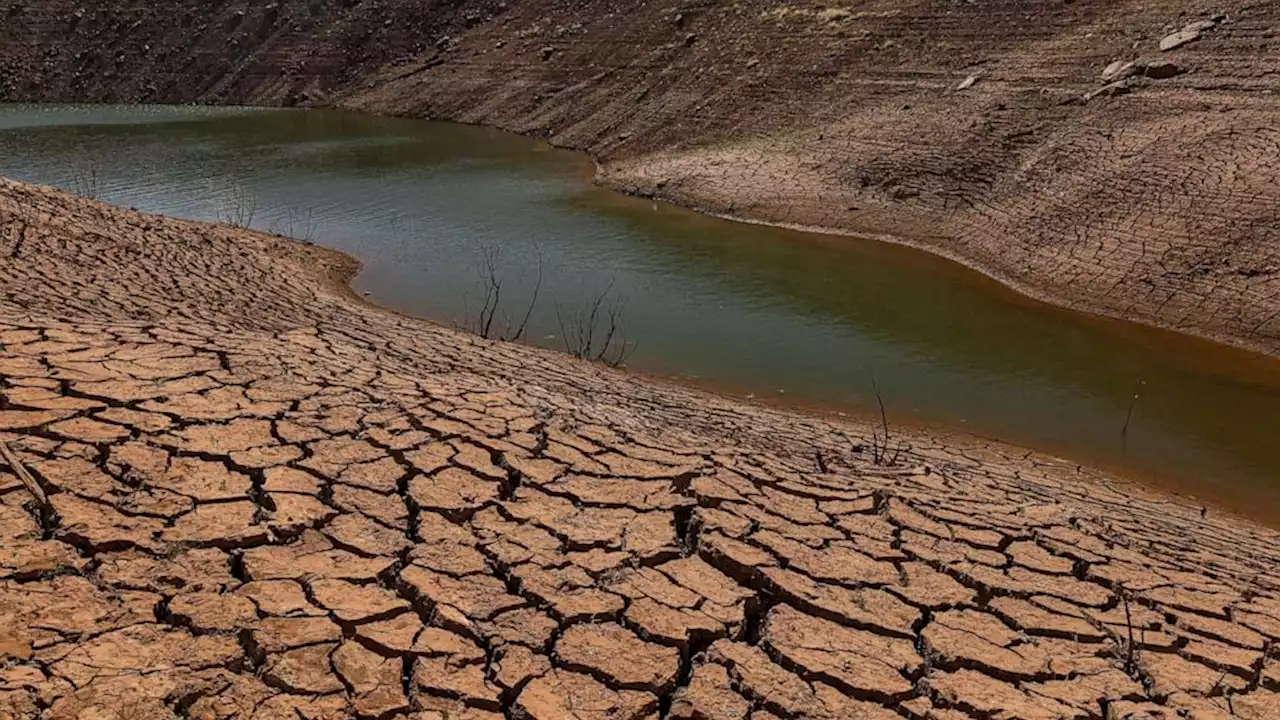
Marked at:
<point>266,499</point>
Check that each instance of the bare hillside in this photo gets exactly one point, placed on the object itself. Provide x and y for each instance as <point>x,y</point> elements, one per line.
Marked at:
<point>985,131</point>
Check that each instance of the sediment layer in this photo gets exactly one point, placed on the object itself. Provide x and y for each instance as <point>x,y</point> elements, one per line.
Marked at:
<point>228,488</point>
<point>1120,157</point>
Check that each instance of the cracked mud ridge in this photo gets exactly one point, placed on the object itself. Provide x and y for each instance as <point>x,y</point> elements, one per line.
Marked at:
<point>230,489</point>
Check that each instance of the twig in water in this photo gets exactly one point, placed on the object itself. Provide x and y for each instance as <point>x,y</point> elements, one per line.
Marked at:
<point>492,289</point>
<point>301,228</point>
<point>484,321</point>
<point>537,288</point>
<point>239,209</point>
<point>86,181</point>
<point>880,444</point>
<point>1128,417</point>
<point>579,332</point>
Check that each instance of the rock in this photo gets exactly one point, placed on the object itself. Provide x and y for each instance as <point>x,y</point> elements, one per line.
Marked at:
<point>1189,33</point>
<point>967,83</point>
<point>547,51</point>
<point>1115,89</point>
<point>1162,70</point>
<point>1119,70</point>
<point>1178,39</point>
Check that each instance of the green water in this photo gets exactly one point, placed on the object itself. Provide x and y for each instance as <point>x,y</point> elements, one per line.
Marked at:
<point>755,310</point>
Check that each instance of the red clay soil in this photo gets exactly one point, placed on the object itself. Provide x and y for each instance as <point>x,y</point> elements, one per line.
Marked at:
<point>229,489</point>
<point>1117,156</point>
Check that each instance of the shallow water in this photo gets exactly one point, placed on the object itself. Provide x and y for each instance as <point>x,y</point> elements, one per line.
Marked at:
<point>758,310</point>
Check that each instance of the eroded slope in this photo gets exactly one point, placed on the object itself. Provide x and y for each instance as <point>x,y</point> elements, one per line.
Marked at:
<point>254,496</point>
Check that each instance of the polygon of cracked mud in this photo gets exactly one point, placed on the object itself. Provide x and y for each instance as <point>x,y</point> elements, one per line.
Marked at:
<point>268,500</point>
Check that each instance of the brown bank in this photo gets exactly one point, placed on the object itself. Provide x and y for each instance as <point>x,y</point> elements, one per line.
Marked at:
<point>230,489</point>
<point>1117,157</point>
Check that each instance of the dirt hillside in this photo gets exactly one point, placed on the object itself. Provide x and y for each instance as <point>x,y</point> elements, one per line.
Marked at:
<point>1120,156</point>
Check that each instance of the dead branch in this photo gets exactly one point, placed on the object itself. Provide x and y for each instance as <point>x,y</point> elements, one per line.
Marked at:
<point>533,301</point>
<point>485,321</point>
<point>20,470</point>
<point>21,223</point>
<point>239,209</point>
<point>597,332</point>
<point>85,179</point>
<point>880,443</point>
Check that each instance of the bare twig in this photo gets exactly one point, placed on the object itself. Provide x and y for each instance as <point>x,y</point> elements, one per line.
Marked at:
<point>564,331</point>
<point>299,227</point>
<point>485,321</point>
<point>590,335</point>
<point>537,288</point>
<point>19,224</point>
<point>880,444</point>
<point>1128,621</point>
<point>20,470</point>
<point>1128,417</point>
<point>239,208</point>
<point>21,238</point>
<point>492,291</point>
<point>86,180</point>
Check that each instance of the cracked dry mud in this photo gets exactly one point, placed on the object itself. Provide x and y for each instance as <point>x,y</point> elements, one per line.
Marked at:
<point>267,499</point>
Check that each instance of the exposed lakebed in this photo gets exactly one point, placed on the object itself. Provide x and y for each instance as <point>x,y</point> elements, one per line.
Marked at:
<point>777,313</point>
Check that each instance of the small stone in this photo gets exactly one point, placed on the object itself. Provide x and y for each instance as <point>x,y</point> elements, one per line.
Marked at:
<point>1199,26</point>
<point>1119,70</point>
<point>1178,39</point>
<point>1115,89</point>
<point>1162,70</point>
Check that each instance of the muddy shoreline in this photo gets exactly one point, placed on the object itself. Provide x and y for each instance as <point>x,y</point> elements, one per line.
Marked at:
<point>1189,484</point>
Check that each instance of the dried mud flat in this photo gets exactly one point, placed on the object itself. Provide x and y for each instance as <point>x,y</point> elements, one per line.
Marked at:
<point>250,495</point>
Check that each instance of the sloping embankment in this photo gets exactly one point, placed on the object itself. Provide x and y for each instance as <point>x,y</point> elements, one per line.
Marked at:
<point>230,489</point>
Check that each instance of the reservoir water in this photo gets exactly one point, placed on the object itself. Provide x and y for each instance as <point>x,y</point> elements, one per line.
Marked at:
<point>754,310</point>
